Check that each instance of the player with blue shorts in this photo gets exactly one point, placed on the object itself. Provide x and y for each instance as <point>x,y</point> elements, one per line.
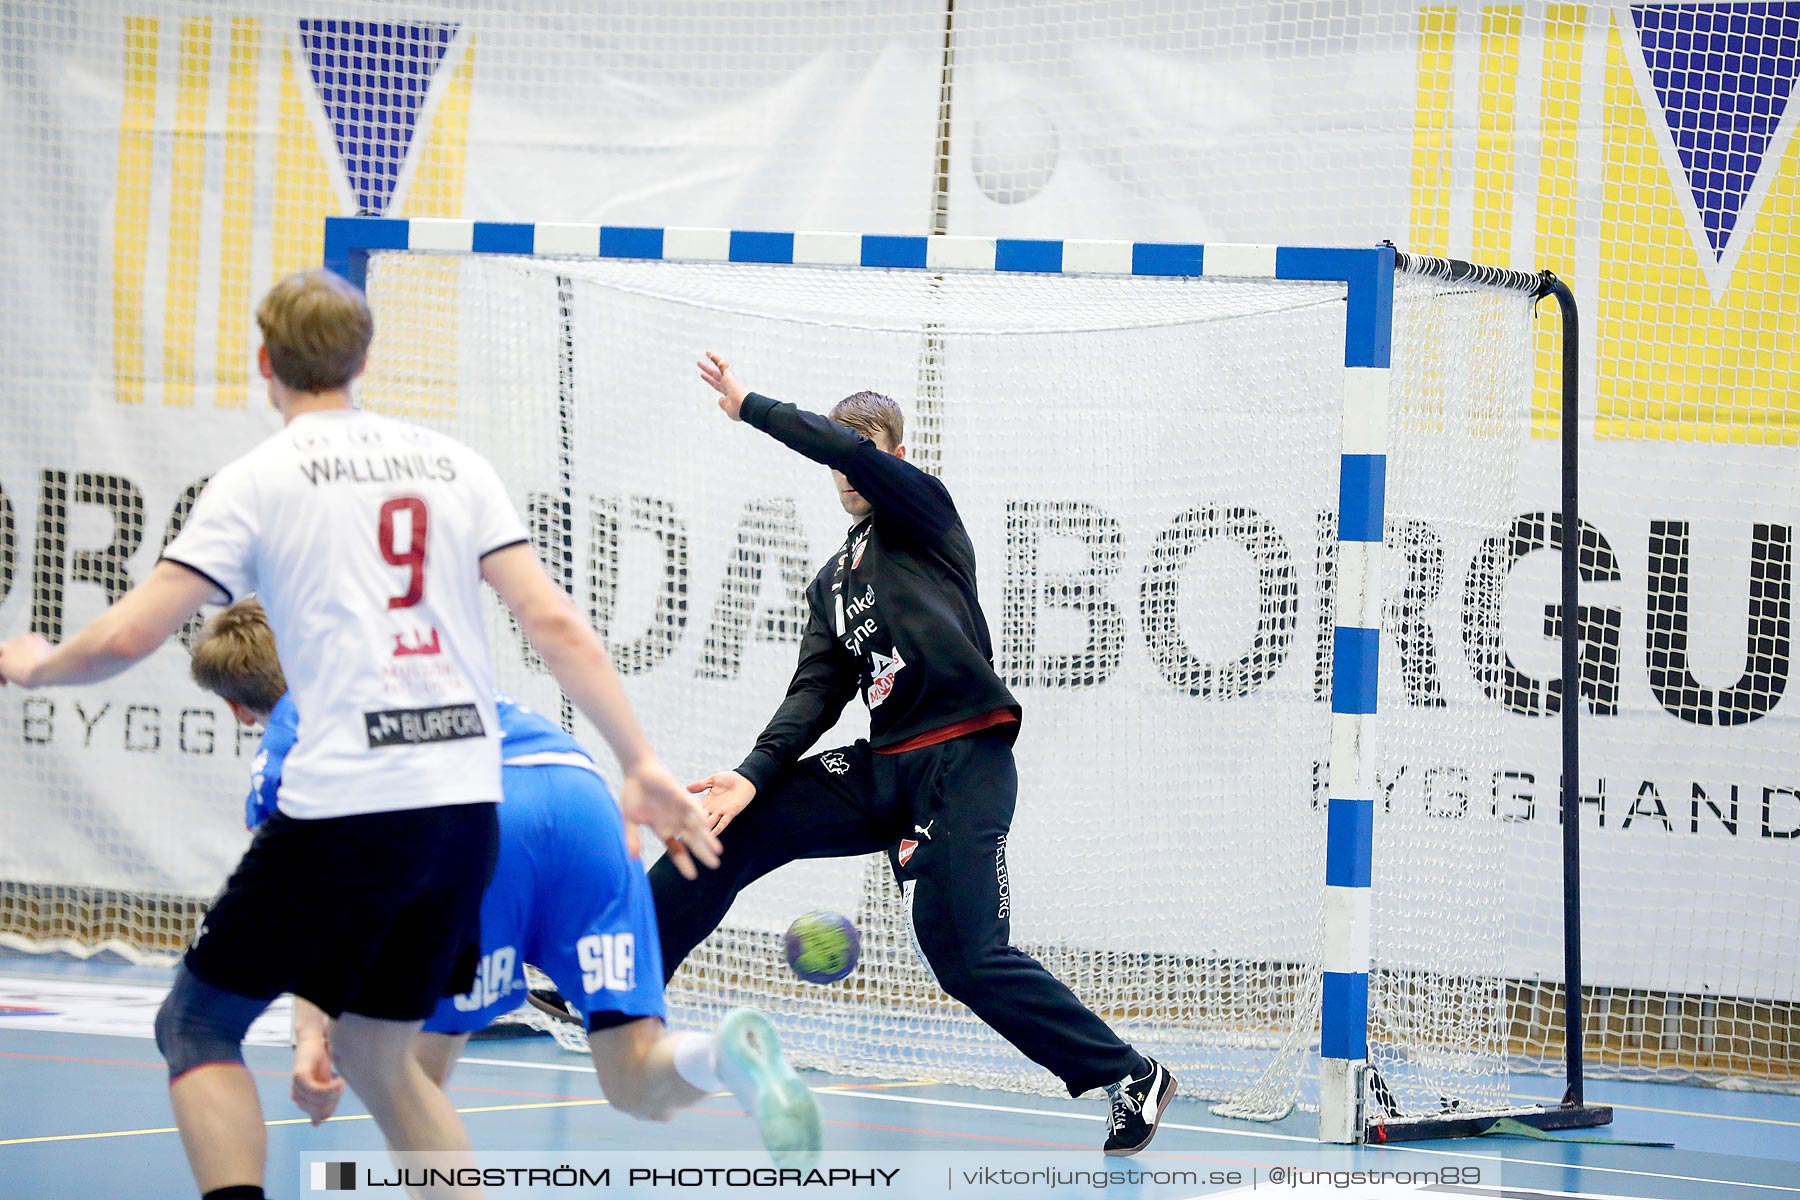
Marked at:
<point>567,896</point>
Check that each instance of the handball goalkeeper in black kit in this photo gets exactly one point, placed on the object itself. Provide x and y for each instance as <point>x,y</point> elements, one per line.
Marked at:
<point>894,616</point>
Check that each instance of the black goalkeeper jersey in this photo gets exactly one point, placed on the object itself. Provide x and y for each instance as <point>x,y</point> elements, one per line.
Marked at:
<point>893,616</point>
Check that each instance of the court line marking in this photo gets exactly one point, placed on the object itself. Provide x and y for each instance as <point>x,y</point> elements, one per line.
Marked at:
<point>589,1070</point>
<point>159,1065</point>
<point>1673,1112</point>
<point>929,1102</point>
<point>39,976</point>
<point>502,1062</point>
<point>583,1069</point>
<point>1215,1130</point>
<point>866,1092</point>
<point>113,1133</point>
<point>1677,1112</point>
<point>1289,1137</point>
<point>870,1087</point>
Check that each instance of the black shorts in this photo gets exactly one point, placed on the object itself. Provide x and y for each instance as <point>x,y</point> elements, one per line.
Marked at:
<point>377,914</point>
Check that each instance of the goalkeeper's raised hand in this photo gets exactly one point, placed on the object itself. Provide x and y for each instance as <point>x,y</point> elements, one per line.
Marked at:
<point>720,378</point>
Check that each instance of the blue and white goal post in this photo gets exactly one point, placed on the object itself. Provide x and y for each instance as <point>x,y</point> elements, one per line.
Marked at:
<point>1323,961</point>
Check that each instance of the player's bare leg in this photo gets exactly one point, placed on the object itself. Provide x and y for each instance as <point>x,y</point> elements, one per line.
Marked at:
<point>634,1062</point>
<point>437,1054</point>
<point>649,1074</point>
<point>636,1066</point>
<point>413,1113</point>
<point>221,1125</point>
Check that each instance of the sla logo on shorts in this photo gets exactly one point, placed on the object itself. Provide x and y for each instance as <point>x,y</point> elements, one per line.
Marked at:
<point>495,975</point>
<point>608,962</point>
<point>421,726</point>
<point>883,669</point>
<point>835,762</point>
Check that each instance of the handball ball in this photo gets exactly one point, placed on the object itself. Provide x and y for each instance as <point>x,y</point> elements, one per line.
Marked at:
<point>822,947</point>
<point>1014,150</point>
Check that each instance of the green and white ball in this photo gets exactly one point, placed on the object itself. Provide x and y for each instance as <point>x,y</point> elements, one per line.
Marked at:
<point>822,947</point>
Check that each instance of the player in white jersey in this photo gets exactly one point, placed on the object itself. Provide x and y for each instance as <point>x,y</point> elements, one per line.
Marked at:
<point>367,541</point>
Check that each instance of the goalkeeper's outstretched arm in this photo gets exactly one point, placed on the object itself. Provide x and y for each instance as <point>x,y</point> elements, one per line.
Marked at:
<point>902,495</point>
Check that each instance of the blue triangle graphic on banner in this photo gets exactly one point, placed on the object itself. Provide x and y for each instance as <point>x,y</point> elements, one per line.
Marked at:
<point>1724,74</point>
<point>372,79</point>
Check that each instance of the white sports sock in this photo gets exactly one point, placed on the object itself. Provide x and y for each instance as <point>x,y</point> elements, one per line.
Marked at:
<point>696,1060</point>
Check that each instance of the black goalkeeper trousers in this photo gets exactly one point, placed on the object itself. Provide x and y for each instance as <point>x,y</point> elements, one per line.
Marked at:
<point>942,814</point>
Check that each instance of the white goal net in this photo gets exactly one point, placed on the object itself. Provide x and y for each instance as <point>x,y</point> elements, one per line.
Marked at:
<point>1148,469</point>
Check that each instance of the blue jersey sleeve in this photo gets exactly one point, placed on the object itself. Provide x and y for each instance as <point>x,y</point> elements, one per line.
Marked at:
<point>265,769</point>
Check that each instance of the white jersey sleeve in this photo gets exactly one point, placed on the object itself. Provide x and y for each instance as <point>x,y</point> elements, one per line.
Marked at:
<point>219,539</point>
<point>496,522</point>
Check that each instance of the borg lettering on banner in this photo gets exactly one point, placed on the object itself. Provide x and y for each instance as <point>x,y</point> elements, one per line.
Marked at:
<point>1662,622</point>
<point>420,726</point>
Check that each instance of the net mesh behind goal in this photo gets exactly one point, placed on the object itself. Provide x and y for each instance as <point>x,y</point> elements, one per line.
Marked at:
<point>1148,470</point>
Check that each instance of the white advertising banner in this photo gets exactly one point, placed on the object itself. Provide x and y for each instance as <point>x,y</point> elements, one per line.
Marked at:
<point>163,163</point>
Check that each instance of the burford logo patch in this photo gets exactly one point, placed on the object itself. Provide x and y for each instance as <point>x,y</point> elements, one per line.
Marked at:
<point>420,726</point>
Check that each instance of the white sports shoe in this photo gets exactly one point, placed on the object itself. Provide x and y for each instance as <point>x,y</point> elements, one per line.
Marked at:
<point>751,1064</point>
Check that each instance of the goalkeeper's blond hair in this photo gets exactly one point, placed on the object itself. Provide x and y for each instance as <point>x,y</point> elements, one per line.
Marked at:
<point>872,415</point>
<point>235,658</point>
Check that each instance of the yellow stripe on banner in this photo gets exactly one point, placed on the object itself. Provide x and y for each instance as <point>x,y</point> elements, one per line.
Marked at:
<point>1497,135</point>
<point>1432,132</point>
<point>1565,27</point>
<point>436,189</point>
<point>131,208</point>
<point>304,195</point>
<point>187,173</point>
<point>233,366</point>
<point>1682,365</point>
<point>415,374</point>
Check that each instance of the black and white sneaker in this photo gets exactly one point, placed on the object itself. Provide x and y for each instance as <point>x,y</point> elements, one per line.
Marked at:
<point>550,1002</point>
<point>1137,1108</point>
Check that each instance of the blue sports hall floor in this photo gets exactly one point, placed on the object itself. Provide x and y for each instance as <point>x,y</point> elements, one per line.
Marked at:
<point>85,1114</point>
